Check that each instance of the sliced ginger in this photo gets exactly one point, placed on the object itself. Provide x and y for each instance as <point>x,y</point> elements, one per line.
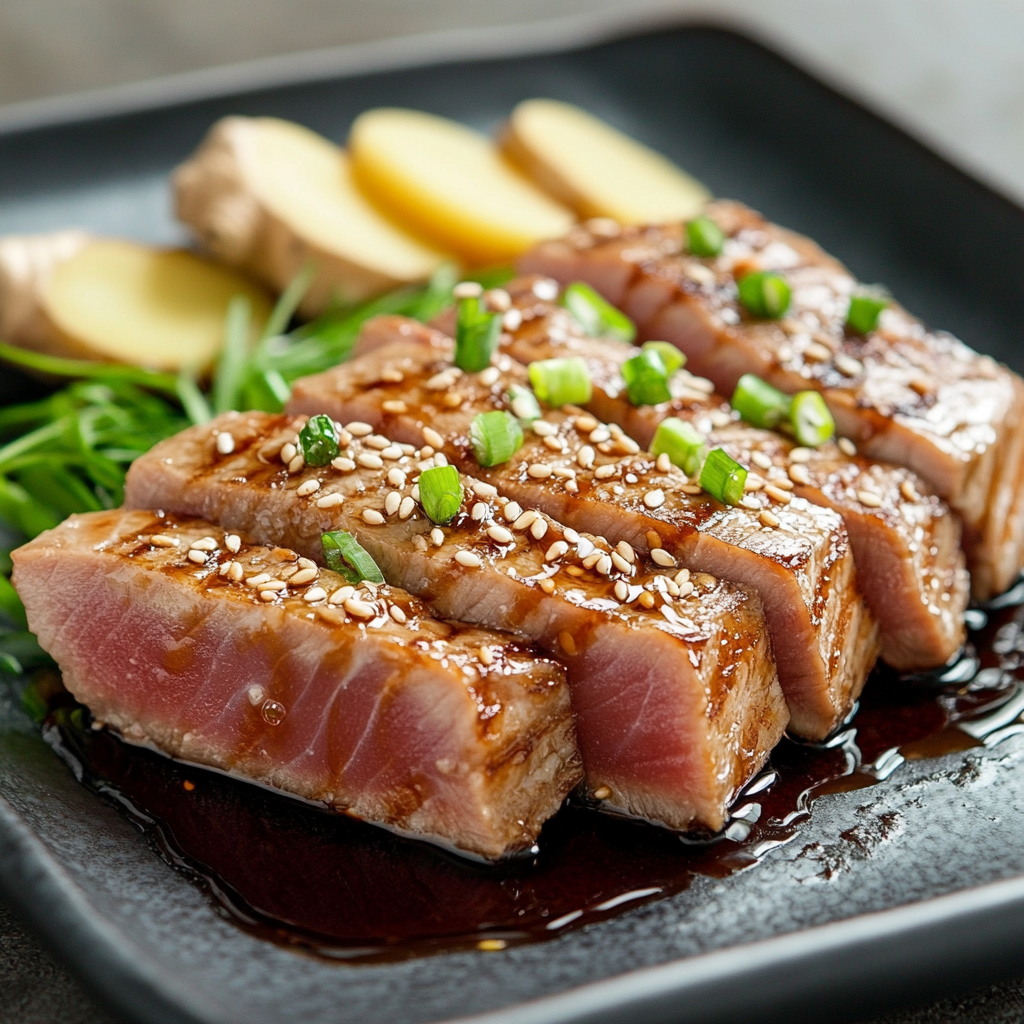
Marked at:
<point>268,196</point>
<point>70,294</point>
<point>596,170</point>
<point>450,184</point>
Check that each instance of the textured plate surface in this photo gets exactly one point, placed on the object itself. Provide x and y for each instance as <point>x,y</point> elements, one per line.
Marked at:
<point>753,127</point>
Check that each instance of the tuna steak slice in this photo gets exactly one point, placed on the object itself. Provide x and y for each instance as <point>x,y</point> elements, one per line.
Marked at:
<point>904,538</point>
<point>367,704</point>
<point>674,689</point>
<point>905,394</point>
<point>596,479</point>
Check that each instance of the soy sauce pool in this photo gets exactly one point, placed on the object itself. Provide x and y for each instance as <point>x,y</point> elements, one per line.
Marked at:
<point>345,890</point>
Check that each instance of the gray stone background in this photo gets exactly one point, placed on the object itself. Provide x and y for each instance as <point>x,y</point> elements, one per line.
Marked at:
<point>950,71</point>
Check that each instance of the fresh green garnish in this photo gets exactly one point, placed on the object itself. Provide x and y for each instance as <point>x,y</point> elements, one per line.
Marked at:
<point>723,477</point>
<point>476,335</point>
<point>345,555</point>
<point>523,403</point>
<point>765,295</point>
<point>319,440</point>
<point>682,442</point>
<point>704,237</point>
<point>495,438</point>
<point>864,312</point>
<point>812,422</point>
<point>598,317</point>
<point>759,403</point>
<point>646,378</point>
<point>441,493</point>
<point>561,382</point>
<point>670,355</point>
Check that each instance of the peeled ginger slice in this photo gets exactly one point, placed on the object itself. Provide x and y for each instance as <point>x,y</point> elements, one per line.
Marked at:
<point>269,196</point>
<point>123,302</point>
<point>596,170</point>
<point>450,184</point>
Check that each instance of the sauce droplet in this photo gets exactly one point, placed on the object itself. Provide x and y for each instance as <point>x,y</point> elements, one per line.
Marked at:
<point>273,712</point>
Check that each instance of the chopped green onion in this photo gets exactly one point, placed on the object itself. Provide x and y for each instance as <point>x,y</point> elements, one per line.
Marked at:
<point>476,336</point>
<point>319,440</point>
<point>704,237</point>
<point>561,381</point>
<point>723,477</point>
<point>345,555</point>
<point>812,422</point>
<point>438,293</point>
<point>193,401</point>
<point>682,442</point>
<point>646,378</point>
<point>285,307</point>
<point>759,403</point>
<point>265,390</point>
<point>523,403</point>
<point>598,317</point>
<point>864,311</point>
<point>495,437</point>
<point>670,355</point>
<point>765,295</point>
<point>440,493</point>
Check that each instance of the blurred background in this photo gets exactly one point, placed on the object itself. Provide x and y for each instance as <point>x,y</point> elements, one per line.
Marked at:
<point>948,70</point>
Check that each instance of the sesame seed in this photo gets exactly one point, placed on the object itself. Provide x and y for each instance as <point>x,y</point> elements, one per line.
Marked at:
<point>602,793</point>
<point>397,614</point>
<point>479,511</point>
<point>685,589</point>
<point>621,590</point>
<point>468,559</point>
<point>512,511</point>
<point>406,507</point>
<point>314,594</point>
<point>646,599</point>
<point>274,585</point>
<point>468,290</point>
<point>544,429</point>
<point>663,463</point>
<point>512,320</point>
<point>661,557</point>
<point>377,442</point>
<point>547,585</point>
<point>761,460</point>
<point>767,518</point>
<point>538,528</point>
<point>522,407</point>
<point>682,576</point>
<point>653,539</point>
<point>631,478</point>
<point>225,443</point>
<point>524,519</point>
<point>161,540</point>
<point>604,564</point>
<point>777,494</point>
<point>433,438</point>
<point>500,535</point>
<point>847,365</point>
<point>484,490</point>
<point>368,461</point>
<point>341,594</point>
<point>392,503</point>
<point>197,556</point>
<point>359,609</point>
<point>749,503</point>
<point>395,406</point>
<point>204,544</point>
<point>604,472</point>
<point>909,491</point>
<point>419,543</point>
<point>585,456</point>
<point>869,498</point>
<point>392,375</point>
<point>817,353</point>
<point>307,487</point>
<point>232,542</point>
<point>556,551</point>
<point>304,576</point>
<point>799,474</point>
<point>489,376</point>
<point>585,424</point>
<point>235,572</point>
<point>546,289</point>
<point>453,400</point>
<point>620,563</point>
<point>343,465</point>
<point>296,464</point>
<point>753,483</point>
<point>288,452</point>
<point>538,471</point>
<point>267,595</point>
<point>396,477</point>
<point>654,499</point>
<point>847,447</point>
<point>359,429</point>
<point>484,653</point>
<point>572,487</point>
<point>600,434</point>
<point>443,380</point>
<point>437,536</point>
<point>306,563</point>
<point>625,549</point>
<point>783,483</point>
<point>692,489</point>
<point>571,535</point>
<point>372,517</point>
<point>392,453</point>
<point>801,455</point>
<point>497,299</point>
<point>332,500</point>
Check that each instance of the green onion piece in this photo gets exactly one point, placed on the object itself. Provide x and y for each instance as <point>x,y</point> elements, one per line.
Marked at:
<point>765,295</point>
<point>670,355</point>
<point>227,380</point>
<point>440,493</point>
<point>723,477</point>
<point>561,381</point>
<point>682,442</point>
<point>759,403</point>
<point>864,311</point>
<point>345,555</point>
<point>598,317</point>
<point>288,302</point>
<point>523,403</point>
<point>476,336</point>
<point>812,422</point>
<point>319,440</point>
<point>646,378</point>
<point>193,401</point>
<point>704,237</point>
<point>495,437</point>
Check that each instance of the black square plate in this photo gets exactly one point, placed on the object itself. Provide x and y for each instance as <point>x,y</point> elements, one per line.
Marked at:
<point>888,893</point>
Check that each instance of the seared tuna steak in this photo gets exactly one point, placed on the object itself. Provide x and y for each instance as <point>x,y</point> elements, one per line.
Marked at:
<point>676,698</point>
<point>255,661</point>
<point>904,394</point>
